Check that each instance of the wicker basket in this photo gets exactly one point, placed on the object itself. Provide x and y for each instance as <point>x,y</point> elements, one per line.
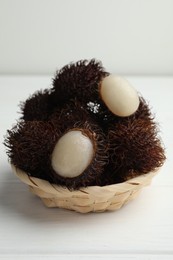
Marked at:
<point>93,198</point>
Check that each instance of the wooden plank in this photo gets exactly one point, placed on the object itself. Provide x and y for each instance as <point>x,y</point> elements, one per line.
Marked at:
<point>143,229</point>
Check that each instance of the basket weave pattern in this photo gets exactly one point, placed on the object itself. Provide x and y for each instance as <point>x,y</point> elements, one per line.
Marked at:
<point>84,200</point>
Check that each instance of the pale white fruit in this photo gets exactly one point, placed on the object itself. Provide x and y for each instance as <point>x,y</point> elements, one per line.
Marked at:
<point>72,154</point>
<point>119,96</point>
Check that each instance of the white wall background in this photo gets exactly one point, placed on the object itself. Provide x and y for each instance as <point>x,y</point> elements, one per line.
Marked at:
<point>129,36</point>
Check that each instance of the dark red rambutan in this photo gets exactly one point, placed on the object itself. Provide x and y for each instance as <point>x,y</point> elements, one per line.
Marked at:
<point>69,115</point>
<point>134,149</point>
<point>80,80</point>
<point>30,145</point>
<point>39,106</point>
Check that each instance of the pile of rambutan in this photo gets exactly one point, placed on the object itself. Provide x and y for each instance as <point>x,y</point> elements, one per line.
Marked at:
<point>90,128</point>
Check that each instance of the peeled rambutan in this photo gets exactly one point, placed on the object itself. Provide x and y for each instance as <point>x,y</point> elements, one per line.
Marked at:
<point>31,144</point>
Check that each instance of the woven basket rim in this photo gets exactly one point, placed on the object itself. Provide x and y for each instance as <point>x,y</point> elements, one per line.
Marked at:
<point>40,183</point>
<point>87,199</point>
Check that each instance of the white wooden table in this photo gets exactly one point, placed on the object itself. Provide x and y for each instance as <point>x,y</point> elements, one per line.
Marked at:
<point>143,229</point>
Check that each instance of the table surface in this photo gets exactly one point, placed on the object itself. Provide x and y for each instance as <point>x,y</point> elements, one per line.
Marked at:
<point>142,229</point>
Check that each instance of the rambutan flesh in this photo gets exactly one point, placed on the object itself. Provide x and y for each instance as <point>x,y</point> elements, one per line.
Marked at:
<point>98,163</point>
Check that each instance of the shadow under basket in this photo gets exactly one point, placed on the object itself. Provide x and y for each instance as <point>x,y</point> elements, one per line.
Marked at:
<point>90,199</point>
